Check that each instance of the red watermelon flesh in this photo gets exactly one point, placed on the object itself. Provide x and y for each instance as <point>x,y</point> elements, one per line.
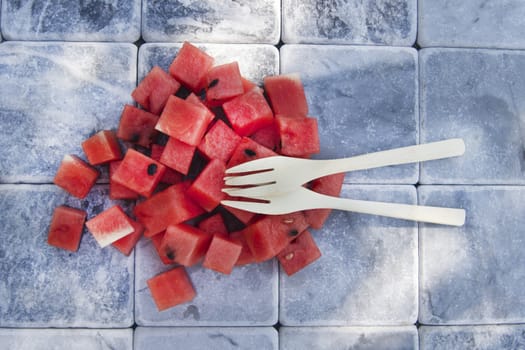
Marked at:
<point>219,142</point>
<point>110,225</point>
<point>171,288</point>
<point>286,94</point>
<point>190,66</point>
<point>213,224</point>
<point>223,82</point>
<point>301,252</point>
<point>117,191</point>
<point>299,136</point>
<point>246,256</point>
<point>177,155</point>
<point>185,244</point>
<point>170,176</point>
<point>156,240</point>
<point>102,148</point>
<point>137,126</point>
<point>153,91</point>
<point>126,244</point>
<point>65,230</point>
<point>75,176</point>
<point>330,185</point>
<point>248,150</point>
<point>222,254</point>
<point>206,190</point>
<point>268,137</point>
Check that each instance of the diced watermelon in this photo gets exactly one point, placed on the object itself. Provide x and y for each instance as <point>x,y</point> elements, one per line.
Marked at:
<point>213,224</point>
<point>190,66</point>
<point>184,120</point>
<point>171,288</point>
<point>177,155</point>
<point>110,225</point>
<point>102,148</point>
<point>301,252</point>
<point>271,234</point>
<point>222,254</point>
<point>246,256</point>
<point>117,191</point>
<point>286,94</point>
<point>206,190</point>
<point>168,207</point>
<point>65,230</point>
<point>223,82</point>
<point>185,244</point>
<point>139,173</point>
<point>299,136</point>
<point>75,176</point>
<point>171,176</point>
<point>244,216</point>
<point>126,244</point>
<point>219,142</point>
<point>156,240</point>
<point>268,137</point>
<point>192,98</point>
<point>248,112</point>
<point>330,185</point>
<point>137,126</point>
<point>248,150</point>
<point>153,91</point>
<point>248,85</point>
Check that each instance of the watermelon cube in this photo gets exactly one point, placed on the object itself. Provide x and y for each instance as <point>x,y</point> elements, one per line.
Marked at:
<point>177,155</point>
<point>213,224</point>
<point>171,288</point>
<point>139,173</point>
<point>190,66</point>
<point>102,148</point>
<point>219,142</point>
<point>222,254</point>
<point>223,82</point>
<point>330,185</point>
<point>271,234</point>
<point>184,120</point>
<point>126,244</point>
<point>242,215</point>
<point>246,256</point>
<point>192,98</point>
<point>117,191</point>
<point>156,240</point>
<point>206,190</point>
<point>301,252</point>
<point>268,137</point>
<point>299,136</point>
<point>170,176</point>
<point>248,85</point>
<point>185,244</point>
<point>248,150</point>
<point>75,176</point>
<point>286,94</point>
<point>110,225</point>
<point>137,126</point>
<point>248,112</point>
<point>168,207</point>
<point>153,91</point>
<point>66,228</point>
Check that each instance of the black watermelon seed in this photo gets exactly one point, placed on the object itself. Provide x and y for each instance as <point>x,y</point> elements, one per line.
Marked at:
<point>213,83</point>
<point>135,137</point>
<point>293,233</point>
<point>170,254</point>
<point>152,169</point>
<point>202,94</point>
<point>250,152</point>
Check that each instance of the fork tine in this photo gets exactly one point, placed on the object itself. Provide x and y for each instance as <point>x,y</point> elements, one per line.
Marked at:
<point>255,192</point>
<point>262,178</point>
<point>254,207</point>
<point>253,165</point>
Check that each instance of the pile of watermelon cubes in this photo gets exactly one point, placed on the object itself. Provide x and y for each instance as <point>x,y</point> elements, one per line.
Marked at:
<point>194,122</point>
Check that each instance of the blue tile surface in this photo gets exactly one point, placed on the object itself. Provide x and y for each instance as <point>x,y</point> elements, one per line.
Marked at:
<point>471,23</point>
<point>54,96</point>
<point>364,98</point>
<point>242,21</point>
<point>478,95</point>
<point>94,20</point>
<point>43,286</point>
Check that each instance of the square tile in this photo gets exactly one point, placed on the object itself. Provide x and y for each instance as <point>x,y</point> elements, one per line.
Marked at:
<point>502,337</point>
<point>473,274</point>
<point>343,338</point>
<point>364,98</point>
<point>217,338</point>
<point>367,274</point>
<point>44,286</point>
<point>210,21</point>
<point>350,22</point>
<point>96,20</point>
<point>471,23</point>
<point>66,339</point>
<point>53,97</point>
<point>478,95</point>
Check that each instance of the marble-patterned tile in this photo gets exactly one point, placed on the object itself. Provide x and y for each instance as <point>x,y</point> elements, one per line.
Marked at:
<point>350,22</point>
<point>367,274</point>
<point>211,21</point>
<point>478,95</point>
<point>343,338</point>
<point>216,338</point>
<point>364,98</point>
<point>473,274</point>
<point>471,23</point>
<point>44,286</point>
<point>492,337</point>
<point>55,95</point>
<point>246,297</point>
<point>66,339</point>
<point>94,20</point>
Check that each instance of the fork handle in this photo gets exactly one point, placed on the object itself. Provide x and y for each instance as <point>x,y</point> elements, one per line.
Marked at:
<point>436,215</point>
<point>404,155</point>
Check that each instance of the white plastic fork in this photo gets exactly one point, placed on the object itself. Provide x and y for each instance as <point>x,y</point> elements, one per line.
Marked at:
<point>302,199</point>
<point>279,174</point>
